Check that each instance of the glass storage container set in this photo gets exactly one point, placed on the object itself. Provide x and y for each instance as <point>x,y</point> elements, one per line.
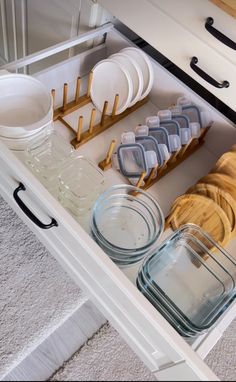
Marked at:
<point>188,278</point>
<point>70,177</point>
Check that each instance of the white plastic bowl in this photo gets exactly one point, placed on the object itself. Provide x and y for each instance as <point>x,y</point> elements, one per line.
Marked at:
<point>25,106</point>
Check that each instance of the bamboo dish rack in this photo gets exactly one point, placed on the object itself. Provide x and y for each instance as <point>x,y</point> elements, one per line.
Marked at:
<point>157,173</point>
<point>106,122</point>
<point>79,101</point>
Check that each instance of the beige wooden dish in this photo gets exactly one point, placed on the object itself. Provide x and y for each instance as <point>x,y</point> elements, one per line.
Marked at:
<point>226,164</point>
<point>225,182</point>
<point>204,212</point>
<point>221,197</point>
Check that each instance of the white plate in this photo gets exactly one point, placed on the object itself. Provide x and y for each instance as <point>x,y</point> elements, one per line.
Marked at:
<point>135,73</point>
<point>111,78</point>
<point>145,65</point>
<point>25,105</point>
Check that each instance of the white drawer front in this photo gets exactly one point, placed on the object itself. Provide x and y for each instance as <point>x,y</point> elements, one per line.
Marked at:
<point>145,330</point>
<point>176,43</point>
<point>192,15</point>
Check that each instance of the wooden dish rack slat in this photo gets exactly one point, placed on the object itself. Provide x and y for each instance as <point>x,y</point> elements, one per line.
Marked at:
<point>107,121</point>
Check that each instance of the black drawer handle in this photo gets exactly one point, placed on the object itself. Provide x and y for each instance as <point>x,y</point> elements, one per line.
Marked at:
<point>217,34</point>
<point>205,76</point>
<point>27,211</point>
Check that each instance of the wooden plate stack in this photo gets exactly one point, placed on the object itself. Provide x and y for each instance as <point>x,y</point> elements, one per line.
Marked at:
<point>211,202</point>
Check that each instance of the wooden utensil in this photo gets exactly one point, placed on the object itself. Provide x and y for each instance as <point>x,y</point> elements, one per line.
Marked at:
<point>221,197</point>
<point>204,212</point>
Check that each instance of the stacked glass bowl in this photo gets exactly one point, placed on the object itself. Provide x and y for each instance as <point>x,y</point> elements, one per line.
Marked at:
<point>190,279</point>
<point>126,222</point>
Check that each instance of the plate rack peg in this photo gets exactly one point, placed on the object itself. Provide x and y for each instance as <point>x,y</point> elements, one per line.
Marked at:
<point>141,180</point>
<point>77,92</point>
<point>92,119</point>
<point>65,96</point>
<point>163,167</point>
<point>107,162</point>
<point>204,132</point>
<point>53,93</point>
<point>115,105</point>
<point>175,156</point>
<point>80,128</point>
<point>104,111</point>
<point>90,79</point>
<point>151,177</point>
<point>184,149</point>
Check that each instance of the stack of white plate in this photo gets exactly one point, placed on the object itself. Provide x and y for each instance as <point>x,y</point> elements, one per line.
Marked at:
<point>128,73</point>
<point>26,110</point>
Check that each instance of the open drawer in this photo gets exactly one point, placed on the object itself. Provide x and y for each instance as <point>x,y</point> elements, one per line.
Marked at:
<point>163,350</point>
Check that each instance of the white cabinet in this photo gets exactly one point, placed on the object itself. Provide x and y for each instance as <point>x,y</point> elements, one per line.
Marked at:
<point>192,15</point>
<point>163,350</point>
<point>176,29</point>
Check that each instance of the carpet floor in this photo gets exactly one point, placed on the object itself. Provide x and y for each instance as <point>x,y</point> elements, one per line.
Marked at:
<point>106,357</point>
<point>34,291</point>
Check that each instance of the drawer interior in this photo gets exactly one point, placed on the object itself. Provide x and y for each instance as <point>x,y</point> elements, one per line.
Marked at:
<point>164,93</point>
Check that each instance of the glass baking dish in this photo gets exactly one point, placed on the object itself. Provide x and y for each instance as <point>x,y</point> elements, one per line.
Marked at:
<point>173,272</point>
<point>174,321</point>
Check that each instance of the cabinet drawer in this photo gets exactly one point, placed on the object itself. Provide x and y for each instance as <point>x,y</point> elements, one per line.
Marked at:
<point>145,330</point>
<point>192,15</point>
<point>176,43</point>
<point>163,350</point>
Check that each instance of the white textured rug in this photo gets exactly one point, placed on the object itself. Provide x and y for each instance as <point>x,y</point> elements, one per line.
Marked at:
<point>34,291</point>
<point>106,357</point>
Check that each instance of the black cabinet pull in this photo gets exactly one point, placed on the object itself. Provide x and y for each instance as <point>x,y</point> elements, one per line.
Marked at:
<point>217,34</point>
<point>205,76</point>
<point>27,211</point>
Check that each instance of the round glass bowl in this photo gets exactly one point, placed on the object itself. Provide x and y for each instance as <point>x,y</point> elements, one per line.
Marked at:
<point>80,184</point>
<point>126,222</point>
